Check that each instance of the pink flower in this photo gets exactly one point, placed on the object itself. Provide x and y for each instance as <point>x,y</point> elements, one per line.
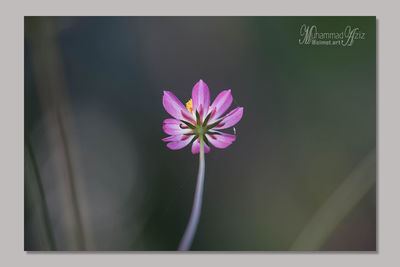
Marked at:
<point>198,118</point>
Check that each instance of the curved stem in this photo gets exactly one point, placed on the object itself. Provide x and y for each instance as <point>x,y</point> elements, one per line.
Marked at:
<point>191,228</point>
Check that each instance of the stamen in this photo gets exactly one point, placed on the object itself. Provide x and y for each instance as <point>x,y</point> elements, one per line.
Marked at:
<point>189,106</point>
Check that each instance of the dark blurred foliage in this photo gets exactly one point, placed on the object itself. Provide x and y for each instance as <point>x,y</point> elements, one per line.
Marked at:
<point>309,120</point>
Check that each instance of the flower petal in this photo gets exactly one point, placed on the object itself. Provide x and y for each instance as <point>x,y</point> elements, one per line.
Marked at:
<point>221,140</point>
<point>171,121</point>
<point>175,129</point>
<point>174,107</point>
<point>222,102</point>
<point>179,144</point>
<point>196,147</point>
<point>200,97</point>
<point>173,138</point>
<point>230,119</point>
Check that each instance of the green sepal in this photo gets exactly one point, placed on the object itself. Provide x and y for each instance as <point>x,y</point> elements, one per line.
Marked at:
<point>191,126</point>
<point>214,124</point>
<point>197,118</point>
<point>206,140</point>
<point>194,139</point>
<point>214,133</point>
<point>206,120</point>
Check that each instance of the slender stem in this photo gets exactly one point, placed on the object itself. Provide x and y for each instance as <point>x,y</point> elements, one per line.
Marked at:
<point>191,228</point>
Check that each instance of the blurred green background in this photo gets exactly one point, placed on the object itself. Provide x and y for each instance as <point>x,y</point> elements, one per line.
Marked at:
<point>300,176</point>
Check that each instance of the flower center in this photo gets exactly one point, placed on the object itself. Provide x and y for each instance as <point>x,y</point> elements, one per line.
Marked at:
<point>200,130</point>
<point>189,106</point>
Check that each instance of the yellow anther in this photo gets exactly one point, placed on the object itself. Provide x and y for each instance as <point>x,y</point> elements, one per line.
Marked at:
<point>189,105</point>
